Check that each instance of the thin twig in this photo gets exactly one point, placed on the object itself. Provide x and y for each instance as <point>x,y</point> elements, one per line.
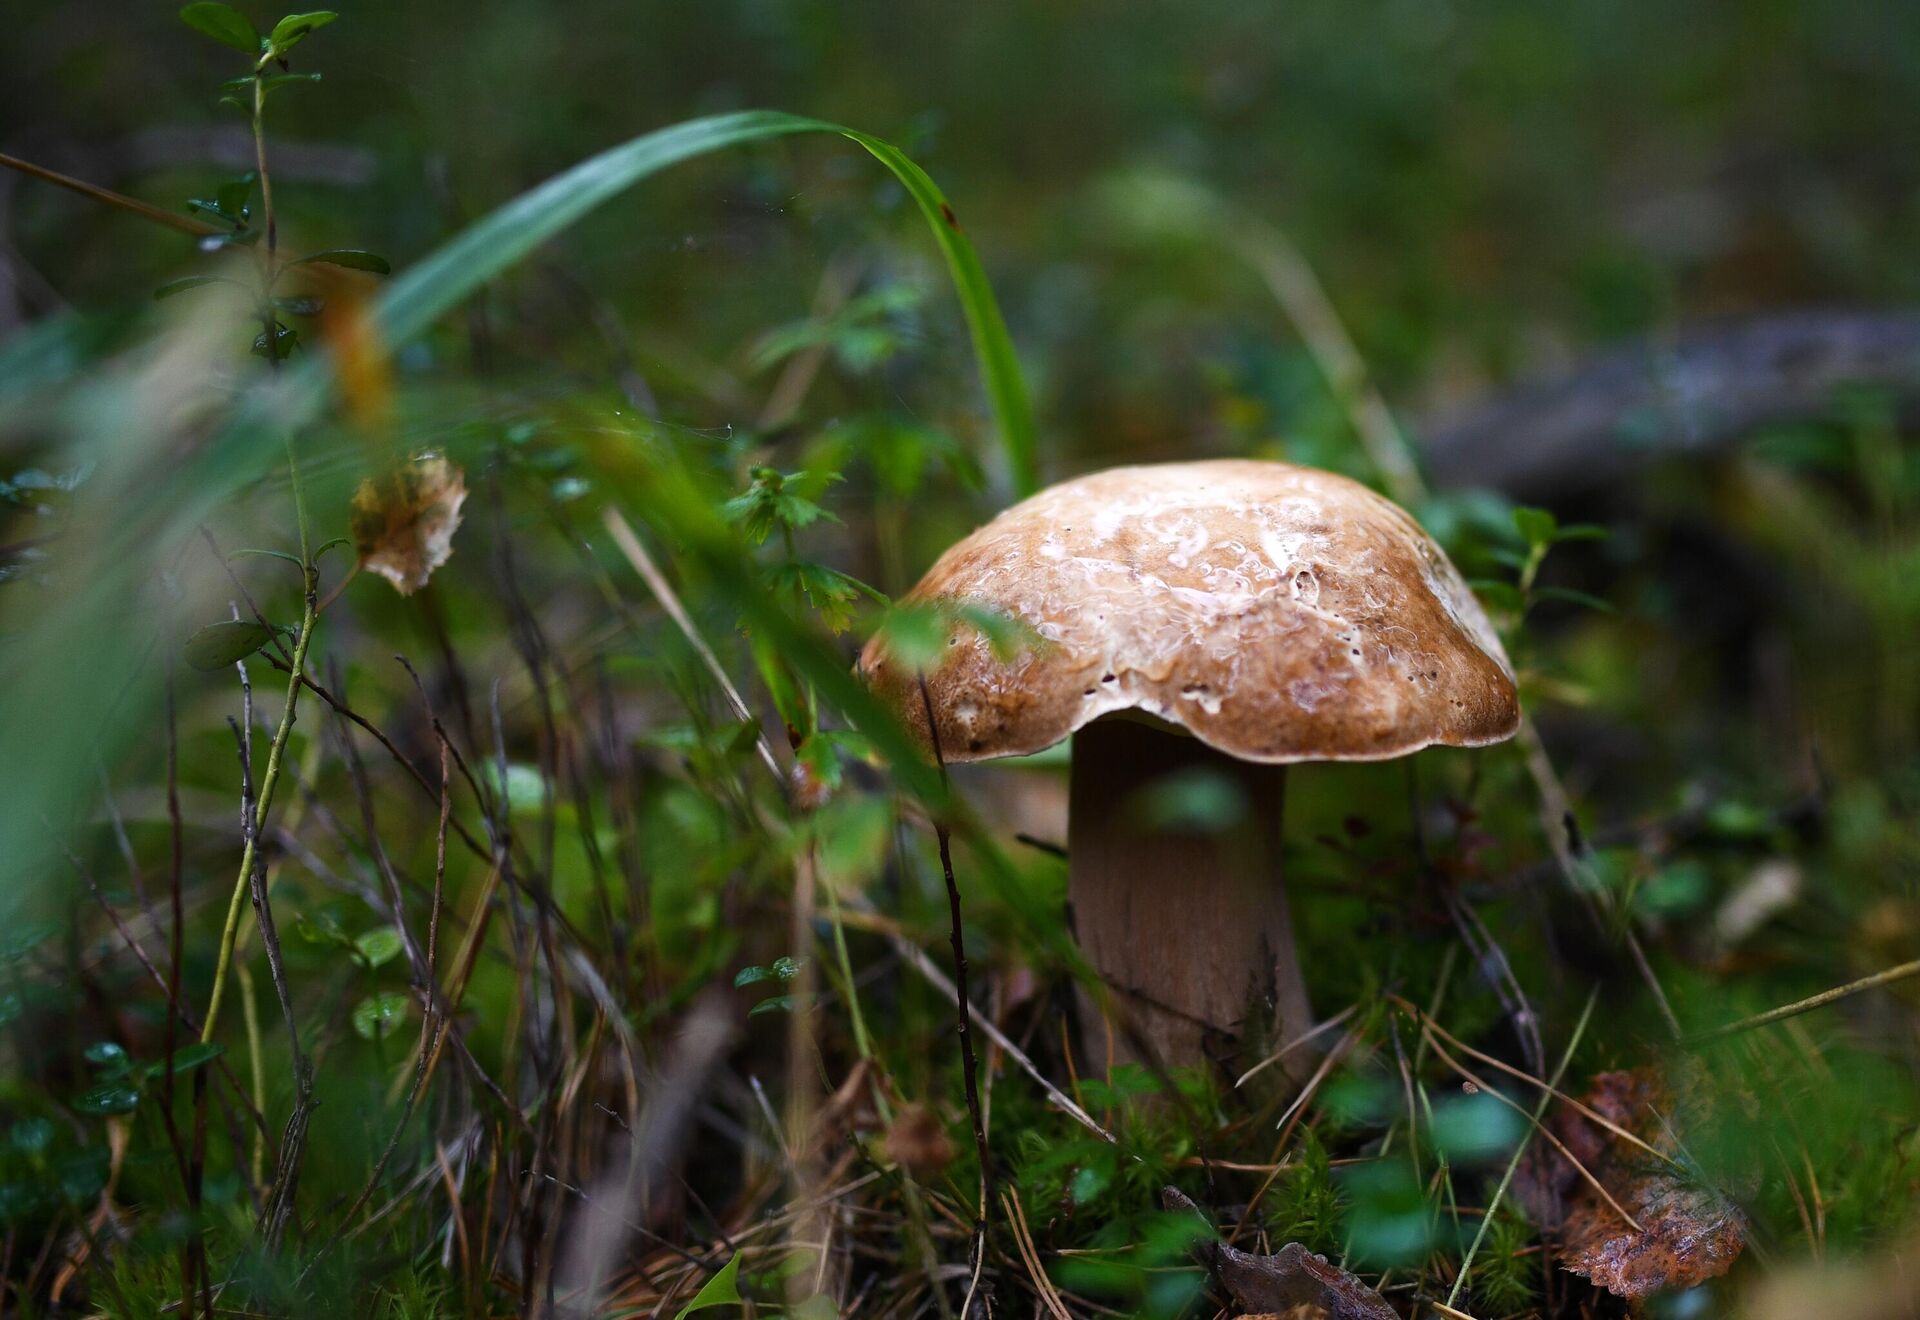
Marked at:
<point>968,1067</point>
<point>636,553</point>
<point>1506,1179</point>
<point>1030,1256</point>
<point>286,1175</point>
<point>1807,1005</point>
<point>108,197</point>
<point>1585,1111</point>
<point>1295,1044</point>
<point>276,754</point>
<point>916,957</point>
<point>1552,1140</point>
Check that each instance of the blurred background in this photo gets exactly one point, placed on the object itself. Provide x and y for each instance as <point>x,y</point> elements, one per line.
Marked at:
<point>1648,267</point>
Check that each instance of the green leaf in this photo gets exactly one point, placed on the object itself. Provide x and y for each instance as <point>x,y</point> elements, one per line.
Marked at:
<point>323,930</point>
<point>30,1136</point>
<point>280,347</point>
<point>914,635</point>
<point>1470,1129</point>
<point>351,258</point>
<point>770,502</point>
<point>223,23</point>
<point>828,591</point>
<point>1197,800</point>
<point>295,28</point>
<point>820,761</point>
<point>1536,526</point>
<point>184,283</point>
<point>1000,366</point>
<point>280,80</point>
<point>221,644</point>
<point>777,1004</point>
<point>378,1016</point>
<point>248,552</point>
<point>107,1054</point>
<point>783,969</point>
<point>185,1059</point>
<point>1500,595</point>
<point>231,197</point>
<point>723,1289</point>
<point>380,945</point>
<point>481,251</point>
<point>113,1098</point>
<point>244,86</point>
<point>247,445</point>
<point>918,634</point>
<point>215,207</point>
<point>239,238</point>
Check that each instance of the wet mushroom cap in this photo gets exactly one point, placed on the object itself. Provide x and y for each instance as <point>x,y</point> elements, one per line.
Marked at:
<point>1277,613</point>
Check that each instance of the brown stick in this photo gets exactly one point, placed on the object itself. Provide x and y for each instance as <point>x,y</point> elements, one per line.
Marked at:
<point>968,1067</point>
<point>108,197</point>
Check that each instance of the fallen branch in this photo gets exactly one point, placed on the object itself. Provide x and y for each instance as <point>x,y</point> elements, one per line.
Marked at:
<point>1694,392</point>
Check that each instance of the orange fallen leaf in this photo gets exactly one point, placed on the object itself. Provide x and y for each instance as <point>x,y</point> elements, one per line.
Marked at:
<point>1688,1233</point>
<point>403,524</point>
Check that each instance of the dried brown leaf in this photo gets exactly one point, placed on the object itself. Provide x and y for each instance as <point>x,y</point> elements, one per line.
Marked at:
<point>1691,1233</point>
<point>403,523</point>
<point>1285,1282</point>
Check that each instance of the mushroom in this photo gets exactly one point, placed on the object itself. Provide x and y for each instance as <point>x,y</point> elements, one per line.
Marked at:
<point>1221,619</point>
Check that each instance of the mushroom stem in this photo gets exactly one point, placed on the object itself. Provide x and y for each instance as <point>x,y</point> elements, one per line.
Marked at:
<point>1188,926</point>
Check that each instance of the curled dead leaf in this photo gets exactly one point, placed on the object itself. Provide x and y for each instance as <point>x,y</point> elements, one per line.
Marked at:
<point>1291,1282</point>
<point>1688,1233</point>
<point>403,523</point>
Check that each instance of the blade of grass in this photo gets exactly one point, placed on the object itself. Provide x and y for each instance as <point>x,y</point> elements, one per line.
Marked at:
<point>147,509</point>
<point>1506,1179</point>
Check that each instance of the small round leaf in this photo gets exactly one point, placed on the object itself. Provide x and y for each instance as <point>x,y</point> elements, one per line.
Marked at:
<point>220,644</point>
<point>378,1016</point>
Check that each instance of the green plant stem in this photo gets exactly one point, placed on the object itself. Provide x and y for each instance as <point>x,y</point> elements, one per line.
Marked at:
<point>260,163</point>
<point>1506,1179</point>
<point>310,581</point>
<point>861,1040</point>
<point>256,1068</point>
<point>268,782</point>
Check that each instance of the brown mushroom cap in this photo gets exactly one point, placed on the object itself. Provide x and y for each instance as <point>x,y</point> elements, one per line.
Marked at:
<point>1278,613</point>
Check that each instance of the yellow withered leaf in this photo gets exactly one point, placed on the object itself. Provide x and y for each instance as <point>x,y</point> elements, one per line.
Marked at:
<point>403,523</point>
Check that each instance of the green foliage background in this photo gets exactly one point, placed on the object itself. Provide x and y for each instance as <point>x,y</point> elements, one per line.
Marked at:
<point>758,356</point>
